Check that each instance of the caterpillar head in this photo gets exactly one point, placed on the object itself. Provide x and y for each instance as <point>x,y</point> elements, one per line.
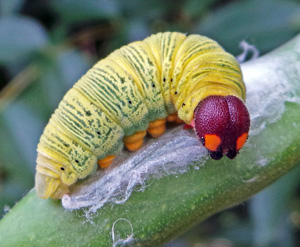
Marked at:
<point>222,124</point>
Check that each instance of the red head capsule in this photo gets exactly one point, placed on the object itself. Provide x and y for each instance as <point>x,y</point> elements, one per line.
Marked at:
<point>222,124</point>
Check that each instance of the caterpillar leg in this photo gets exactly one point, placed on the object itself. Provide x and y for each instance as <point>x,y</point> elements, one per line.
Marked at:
<point>135,141</point>
<point>106,162</point>
<point>157,127</point>
<point>174,118</point>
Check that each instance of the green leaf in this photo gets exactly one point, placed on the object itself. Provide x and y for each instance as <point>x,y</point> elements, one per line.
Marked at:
<point>19,120</point>
<point>195,8</point>
<point>137,30</point>
<point>10,7</point>
<point>155,9</point>
<point>19,137</point>
<point>60,71</point>
<point>175,196</point>
<point>72,65</point>
<point>272,24</point>
<point>19,38</point>
<point>78,10</point>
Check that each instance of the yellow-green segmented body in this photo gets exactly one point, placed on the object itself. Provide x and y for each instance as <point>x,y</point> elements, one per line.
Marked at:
<point>136,84</point>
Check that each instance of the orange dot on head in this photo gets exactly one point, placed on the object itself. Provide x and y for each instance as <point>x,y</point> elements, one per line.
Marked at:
<point>241,141</point>
<point>212,141</point>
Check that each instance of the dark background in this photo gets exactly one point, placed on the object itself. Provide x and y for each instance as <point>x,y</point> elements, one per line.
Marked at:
<point>45,46</point>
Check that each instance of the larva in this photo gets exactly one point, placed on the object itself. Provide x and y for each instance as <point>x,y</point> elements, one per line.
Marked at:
<point>134,89</point>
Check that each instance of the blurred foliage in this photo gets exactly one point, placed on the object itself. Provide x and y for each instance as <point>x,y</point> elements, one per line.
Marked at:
<point>47,45</point>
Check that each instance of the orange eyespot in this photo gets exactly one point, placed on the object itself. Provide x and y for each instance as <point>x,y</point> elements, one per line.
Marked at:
<point>212,141</point>
<point>241,141</point>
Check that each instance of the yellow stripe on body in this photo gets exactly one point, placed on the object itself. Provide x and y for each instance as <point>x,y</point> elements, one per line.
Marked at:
<point>137,59</point>
<point>164,46</point>
<point>206,69</point>
<point>77,160</point>
<point>154,44</point>
<point>48,166</point>
<point>88,125</point>
<point>194,47</point>
<point>112,89</point>
<point>210,67</point>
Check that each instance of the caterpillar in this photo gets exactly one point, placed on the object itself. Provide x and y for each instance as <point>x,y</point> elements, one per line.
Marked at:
<point>166,77</point>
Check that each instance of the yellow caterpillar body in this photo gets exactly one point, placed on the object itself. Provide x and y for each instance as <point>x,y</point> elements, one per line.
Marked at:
<point>136,84</point>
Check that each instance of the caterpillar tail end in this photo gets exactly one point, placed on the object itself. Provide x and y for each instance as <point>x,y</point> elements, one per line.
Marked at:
<point>47,186</point>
